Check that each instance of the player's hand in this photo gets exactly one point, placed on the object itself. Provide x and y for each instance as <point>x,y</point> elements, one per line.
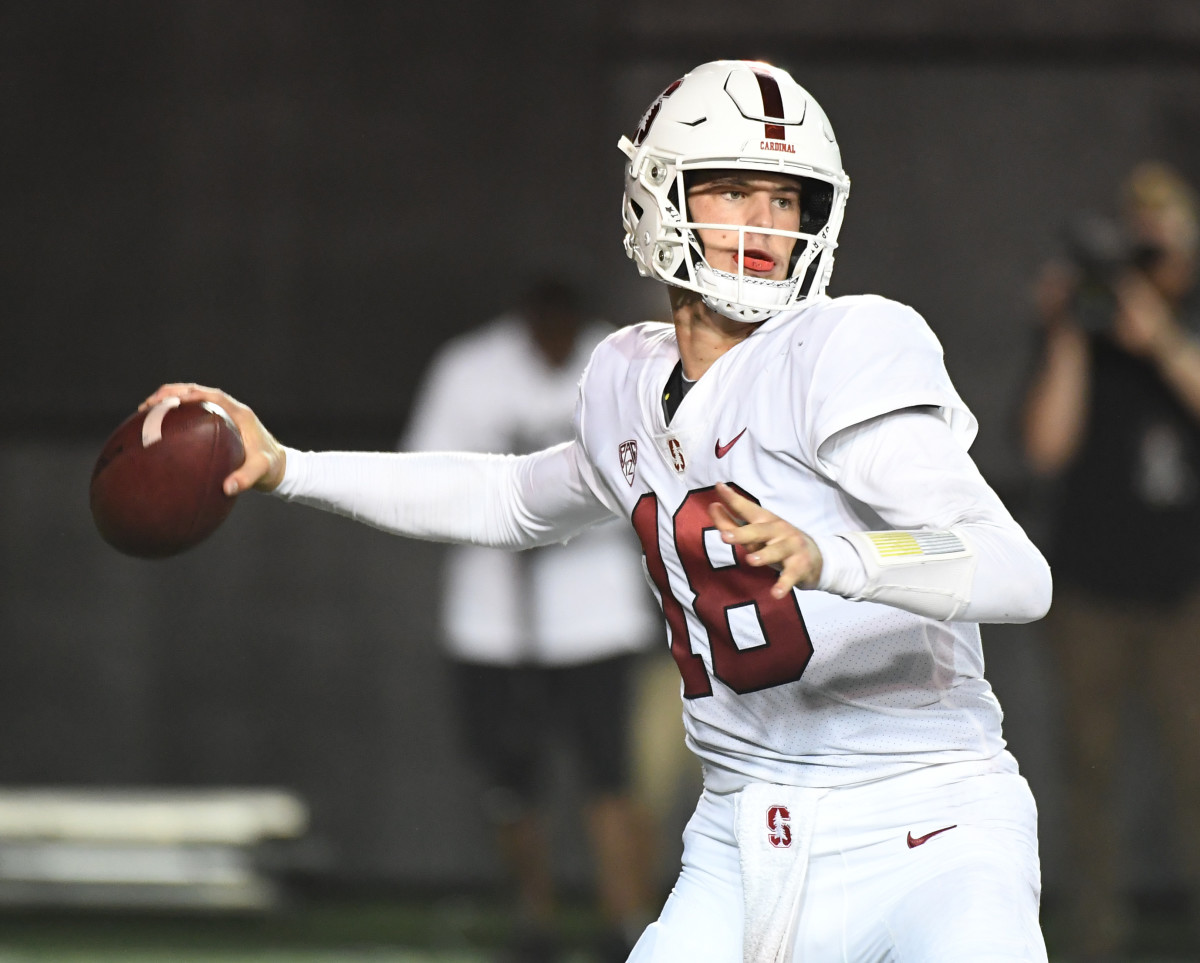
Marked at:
<point>265,457</point>
<point>768,539</point>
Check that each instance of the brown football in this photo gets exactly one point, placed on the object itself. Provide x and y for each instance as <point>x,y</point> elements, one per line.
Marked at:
<point>156,488</point>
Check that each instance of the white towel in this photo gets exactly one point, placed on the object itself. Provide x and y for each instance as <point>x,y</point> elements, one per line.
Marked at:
<point>774,826</point>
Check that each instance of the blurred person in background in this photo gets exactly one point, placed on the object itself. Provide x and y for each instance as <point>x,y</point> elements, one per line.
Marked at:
<point>1112,416</point>
<point>542,644</point>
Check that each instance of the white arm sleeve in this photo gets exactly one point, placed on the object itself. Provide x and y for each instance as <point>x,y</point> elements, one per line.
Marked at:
<point>969,559</point>
<point>500,501</point>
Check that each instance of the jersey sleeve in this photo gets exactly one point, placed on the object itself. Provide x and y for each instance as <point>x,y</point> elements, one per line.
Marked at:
<point>874,356</point>
<point>595,405</point>
<point>498,501</point>
<point>966,559</point>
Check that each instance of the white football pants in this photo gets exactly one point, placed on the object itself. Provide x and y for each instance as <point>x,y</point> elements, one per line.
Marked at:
<point>967,894</point>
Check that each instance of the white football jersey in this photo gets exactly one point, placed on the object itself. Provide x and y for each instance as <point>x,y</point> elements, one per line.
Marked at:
<point>814,689</point>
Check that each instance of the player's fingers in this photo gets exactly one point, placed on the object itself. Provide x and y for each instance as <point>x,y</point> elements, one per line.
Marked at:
<point>720,515</point>
<point>794,572</point>
<point>751,536</point>
<point>777,547</point>
<point>247,475</point>
<point>733,502</point>
<point>265,458</point>
<point>189,391</point>
<point>734,531</point>
<point>163,392</point>
<point>784,584</point>
<point>741,507</point>
<point>262,469</point>
<point>232,407</point>
<point>802,569</point>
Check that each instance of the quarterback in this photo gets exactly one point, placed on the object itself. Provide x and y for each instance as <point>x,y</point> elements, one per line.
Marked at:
<point>822,545</point>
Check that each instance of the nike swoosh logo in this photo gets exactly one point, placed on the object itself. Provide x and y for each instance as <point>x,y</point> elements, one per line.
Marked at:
<point>922,840</point>
<point>723,450</point>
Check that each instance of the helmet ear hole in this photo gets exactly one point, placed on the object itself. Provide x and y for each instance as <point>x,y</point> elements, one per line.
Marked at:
<point>816,204</point>
<point>809,276</point>
<point>798,250</point>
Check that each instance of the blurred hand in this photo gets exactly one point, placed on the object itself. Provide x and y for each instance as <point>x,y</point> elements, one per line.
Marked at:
<point>1053,291</point>
<point>1144,324</point>
<point>769,540</point>
<point>265,457</point>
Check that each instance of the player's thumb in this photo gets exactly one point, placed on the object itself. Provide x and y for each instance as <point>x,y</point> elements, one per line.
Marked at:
<point>263,471</point>
<point>238,482</point>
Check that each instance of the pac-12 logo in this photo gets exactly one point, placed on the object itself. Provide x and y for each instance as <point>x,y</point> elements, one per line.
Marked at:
<point>779,827</point>
<point>628,452</point>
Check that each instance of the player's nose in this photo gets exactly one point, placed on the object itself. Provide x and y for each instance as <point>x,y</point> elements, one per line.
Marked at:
<point>760,214</point>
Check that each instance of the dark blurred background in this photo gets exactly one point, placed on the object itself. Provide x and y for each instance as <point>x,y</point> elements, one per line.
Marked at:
<point>300,201</point>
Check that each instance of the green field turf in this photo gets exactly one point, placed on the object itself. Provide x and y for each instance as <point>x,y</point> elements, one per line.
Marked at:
<point>450,930</point>
<point>410,930</point>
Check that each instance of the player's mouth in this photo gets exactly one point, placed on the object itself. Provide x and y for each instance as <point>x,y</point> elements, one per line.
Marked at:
<point>760,262</point>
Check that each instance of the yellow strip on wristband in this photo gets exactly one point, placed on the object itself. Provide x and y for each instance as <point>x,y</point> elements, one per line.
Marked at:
<point>914,544</point>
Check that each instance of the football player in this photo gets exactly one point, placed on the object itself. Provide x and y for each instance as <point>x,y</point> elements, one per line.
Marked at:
<point>821,542</point>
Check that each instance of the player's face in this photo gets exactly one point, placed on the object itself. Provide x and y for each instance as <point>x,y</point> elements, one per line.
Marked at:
<point>746,199</point>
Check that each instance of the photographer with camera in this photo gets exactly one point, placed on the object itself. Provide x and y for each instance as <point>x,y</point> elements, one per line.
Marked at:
<point>1112,416</point>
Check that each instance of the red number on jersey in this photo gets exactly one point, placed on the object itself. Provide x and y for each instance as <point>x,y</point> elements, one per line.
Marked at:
<point>691,666</point>
<point>786,648</point>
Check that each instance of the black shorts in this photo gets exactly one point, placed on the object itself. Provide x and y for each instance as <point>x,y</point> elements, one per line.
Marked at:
<point>511,715</point>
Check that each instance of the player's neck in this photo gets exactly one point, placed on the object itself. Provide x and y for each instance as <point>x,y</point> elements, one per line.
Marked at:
<point>702,333</point>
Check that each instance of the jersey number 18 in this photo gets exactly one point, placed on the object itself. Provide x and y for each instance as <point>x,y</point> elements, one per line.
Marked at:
<point>717,591</point>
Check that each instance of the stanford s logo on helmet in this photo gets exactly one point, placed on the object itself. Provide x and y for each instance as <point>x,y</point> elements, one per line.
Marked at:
<point>732,115</point>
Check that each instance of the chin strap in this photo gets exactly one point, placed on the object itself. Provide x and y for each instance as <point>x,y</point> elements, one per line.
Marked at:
<point>929,573</point>
<point>770,296</point>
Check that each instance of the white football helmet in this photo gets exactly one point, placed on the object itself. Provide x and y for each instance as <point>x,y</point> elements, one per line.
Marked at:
<point>732,114</point>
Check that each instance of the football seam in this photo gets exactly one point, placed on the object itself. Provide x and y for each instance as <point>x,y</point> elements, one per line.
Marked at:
<point>203,503</point>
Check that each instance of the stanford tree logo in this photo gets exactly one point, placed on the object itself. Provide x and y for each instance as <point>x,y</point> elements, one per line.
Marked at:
<point>779,827</point>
